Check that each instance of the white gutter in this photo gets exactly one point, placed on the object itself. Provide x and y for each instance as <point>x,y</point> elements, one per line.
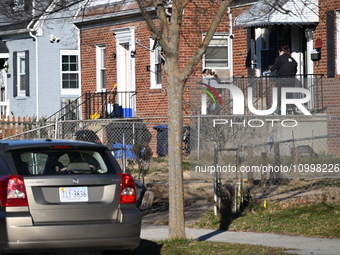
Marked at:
<point>80,70</point>
<point>36,67</point>
<point>31,31</point>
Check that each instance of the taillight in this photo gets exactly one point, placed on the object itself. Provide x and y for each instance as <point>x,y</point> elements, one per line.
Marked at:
<point>127,189</point>
<point>12,191</point>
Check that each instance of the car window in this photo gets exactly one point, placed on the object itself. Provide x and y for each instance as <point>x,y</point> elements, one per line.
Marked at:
<point>49,162</point>
<point>32,162</point>
<point>3,167</point>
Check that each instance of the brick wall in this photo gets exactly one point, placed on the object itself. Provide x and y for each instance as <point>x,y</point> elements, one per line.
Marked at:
<point>240,49</point>
<point>149,102</point>
<point>321,33</point>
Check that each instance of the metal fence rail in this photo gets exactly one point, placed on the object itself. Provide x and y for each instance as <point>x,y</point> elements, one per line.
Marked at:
<point>269,158</point>
<point>306,146</point>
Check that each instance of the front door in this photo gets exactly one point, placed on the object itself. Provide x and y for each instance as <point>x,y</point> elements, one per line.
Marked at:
<point>126,71</point>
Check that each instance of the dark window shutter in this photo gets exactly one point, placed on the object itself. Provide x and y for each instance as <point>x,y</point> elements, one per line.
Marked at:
<point>330,21</point>
<point>15,74</point>
<point>27,75</point>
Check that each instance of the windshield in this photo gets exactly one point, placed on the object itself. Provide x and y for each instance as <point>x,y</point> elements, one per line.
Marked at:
<point>38,162</point>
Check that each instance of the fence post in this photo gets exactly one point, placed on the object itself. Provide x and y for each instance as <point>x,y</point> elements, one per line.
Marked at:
<point>198,136</point>
<point>124,154</point>
<point>277,161</point>
<point>13,126</point>
<point>295,160</point>
<point>264,162</point>
<point>250,174</point>
<point>216,181</point>
<point>56,129</point>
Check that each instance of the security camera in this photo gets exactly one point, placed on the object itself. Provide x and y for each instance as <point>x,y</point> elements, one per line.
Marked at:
<point>232,36</point>
<point>53,39</point>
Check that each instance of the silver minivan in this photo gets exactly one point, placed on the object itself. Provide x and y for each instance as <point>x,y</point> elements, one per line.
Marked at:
<point>65,194</point>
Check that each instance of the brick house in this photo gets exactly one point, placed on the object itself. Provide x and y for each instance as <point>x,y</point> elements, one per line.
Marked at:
<point>120,57</point>
<point>133,59</point>
<point>312,32</point>
<point>312,27</point>
<point>117,48</point>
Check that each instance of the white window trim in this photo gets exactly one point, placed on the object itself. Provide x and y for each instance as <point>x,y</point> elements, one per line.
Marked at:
<point>153,77</point>
<point>99,55</point>
<point>21,93</point>
<point>69,91</point>
<point>227,37</point>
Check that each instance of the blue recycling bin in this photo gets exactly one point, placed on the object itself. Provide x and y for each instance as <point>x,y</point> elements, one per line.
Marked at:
<point>118,150</point>
<point>162,140</point>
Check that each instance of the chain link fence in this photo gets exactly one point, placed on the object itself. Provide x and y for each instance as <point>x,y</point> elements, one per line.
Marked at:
<point>276,158</point>
<point>279,158</point>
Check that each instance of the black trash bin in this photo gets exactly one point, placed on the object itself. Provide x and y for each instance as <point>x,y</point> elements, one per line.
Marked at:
<point>162,140</point>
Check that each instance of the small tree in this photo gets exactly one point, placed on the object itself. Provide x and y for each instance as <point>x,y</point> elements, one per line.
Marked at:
<point>167,29</point>
<point>143,154</point>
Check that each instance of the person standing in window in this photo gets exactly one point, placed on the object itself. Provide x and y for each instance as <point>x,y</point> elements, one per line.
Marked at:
<point>209,77</point>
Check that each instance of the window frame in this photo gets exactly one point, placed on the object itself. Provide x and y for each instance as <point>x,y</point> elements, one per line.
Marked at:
<point>155,63</point>
<point>69,91</point>
<point>220,37</point>
<point>101,67</point>
<point>21,75</point>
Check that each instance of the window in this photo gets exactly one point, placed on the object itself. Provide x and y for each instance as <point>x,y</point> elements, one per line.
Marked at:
<point>21,73</point>
<point>101,69</point>
<point>156,63</point>
<point>216,55</point>
<point>69,72</point>
<point>61,162</point>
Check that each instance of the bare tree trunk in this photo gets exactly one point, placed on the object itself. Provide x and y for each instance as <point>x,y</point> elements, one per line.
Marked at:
<point>168,33</point>
<point>176,196</point>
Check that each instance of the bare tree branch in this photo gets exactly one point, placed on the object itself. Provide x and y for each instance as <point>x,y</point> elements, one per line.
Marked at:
<point>197,56</point>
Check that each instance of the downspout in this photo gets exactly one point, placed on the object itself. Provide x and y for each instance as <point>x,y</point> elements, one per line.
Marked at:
<point>231,37</point>
<point>35,38</point>
<point>80,113</point>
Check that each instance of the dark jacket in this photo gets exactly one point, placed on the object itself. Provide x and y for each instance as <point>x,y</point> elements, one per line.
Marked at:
<point>284,66</point>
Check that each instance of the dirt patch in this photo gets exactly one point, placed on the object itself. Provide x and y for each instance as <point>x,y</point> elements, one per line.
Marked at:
<point>198,199</point>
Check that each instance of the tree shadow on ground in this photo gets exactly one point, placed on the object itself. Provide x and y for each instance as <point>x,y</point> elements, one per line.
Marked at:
<point>147,247</point>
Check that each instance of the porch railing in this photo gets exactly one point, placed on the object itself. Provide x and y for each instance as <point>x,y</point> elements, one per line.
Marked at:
<point>262,89</point>
<point>97,105</point>
<point>109,105</point>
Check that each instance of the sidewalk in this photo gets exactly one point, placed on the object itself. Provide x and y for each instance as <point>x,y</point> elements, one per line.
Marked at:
<point>297,244</point>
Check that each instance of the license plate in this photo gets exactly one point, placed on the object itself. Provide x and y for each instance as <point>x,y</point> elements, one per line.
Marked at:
<point>73,194</point>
